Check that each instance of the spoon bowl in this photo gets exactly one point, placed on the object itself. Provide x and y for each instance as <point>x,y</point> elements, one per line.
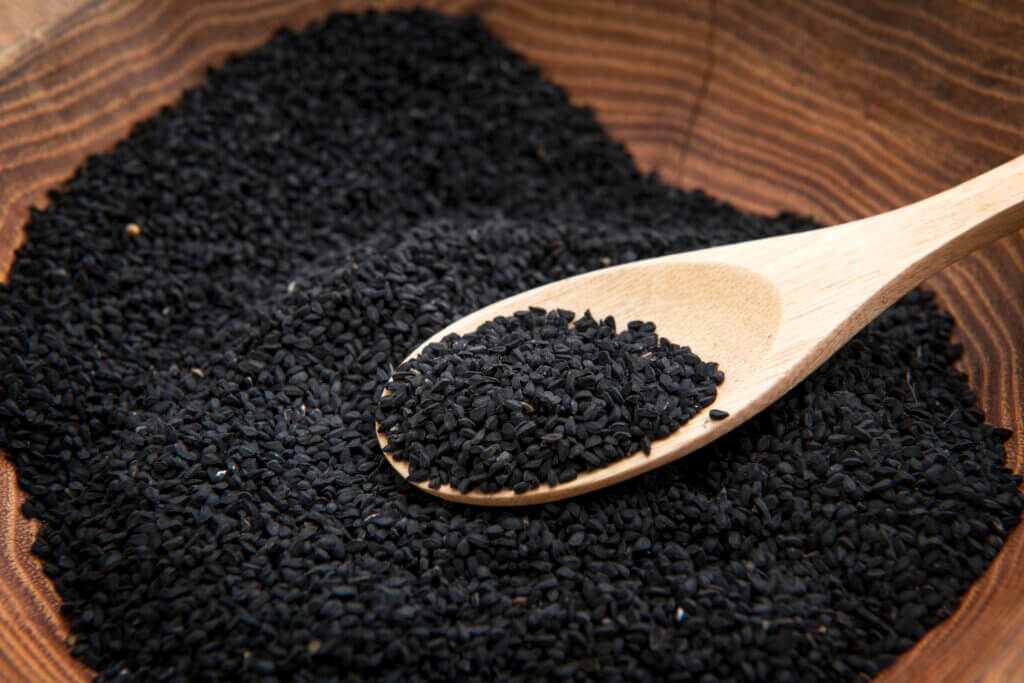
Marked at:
<point>767,311</point>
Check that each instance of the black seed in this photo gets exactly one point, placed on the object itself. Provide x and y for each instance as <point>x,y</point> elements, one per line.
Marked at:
<point>308,216</point>
<point>716,414</point>
<point>543,354</point>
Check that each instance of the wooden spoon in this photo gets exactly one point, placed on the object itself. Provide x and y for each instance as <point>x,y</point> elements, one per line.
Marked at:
<point>769,311</point>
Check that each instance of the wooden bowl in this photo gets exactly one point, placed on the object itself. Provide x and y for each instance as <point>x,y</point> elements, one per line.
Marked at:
<point>834,109</point>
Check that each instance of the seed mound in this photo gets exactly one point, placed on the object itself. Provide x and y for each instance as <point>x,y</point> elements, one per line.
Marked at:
<point>537,397</point>
<point>190,409</point>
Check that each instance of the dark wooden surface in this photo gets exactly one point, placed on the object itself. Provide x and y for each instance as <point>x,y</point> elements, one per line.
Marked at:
<point>836,109</point>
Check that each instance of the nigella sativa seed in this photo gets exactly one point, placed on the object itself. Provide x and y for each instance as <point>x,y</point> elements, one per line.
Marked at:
<point>190,405</point>
<point>539,397</point>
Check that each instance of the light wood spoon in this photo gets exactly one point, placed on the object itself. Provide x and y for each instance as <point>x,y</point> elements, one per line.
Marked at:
<point>769,311</point>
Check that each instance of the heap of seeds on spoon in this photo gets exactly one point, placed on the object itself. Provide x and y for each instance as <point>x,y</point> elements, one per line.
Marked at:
<point>539,397</point>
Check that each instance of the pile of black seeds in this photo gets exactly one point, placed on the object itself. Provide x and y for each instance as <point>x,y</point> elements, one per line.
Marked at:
<point>539,397</point>
<point>190,405</point>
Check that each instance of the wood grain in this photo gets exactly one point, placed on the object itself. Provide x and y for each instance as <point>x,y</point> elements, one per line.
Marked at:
<point>836,109</point>
<point>22,21</point>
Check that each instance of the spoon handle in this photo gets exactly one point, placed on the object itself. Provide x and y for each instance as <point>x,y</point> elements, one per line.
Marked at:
<point>920,239</point>
<point>842,277</point>
<point>833,281</point>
